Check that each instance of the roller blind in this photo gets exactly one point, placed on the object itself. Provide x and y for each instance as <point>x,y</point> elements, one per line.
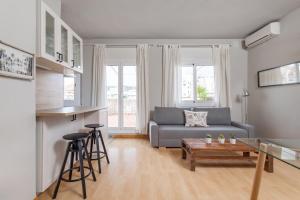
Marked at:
<point>124,56</point>
<point>193,55</point>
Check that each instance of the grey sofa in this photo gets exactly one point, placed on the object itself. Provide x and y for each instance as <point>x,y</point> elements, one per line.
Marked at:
<point>167,126</point>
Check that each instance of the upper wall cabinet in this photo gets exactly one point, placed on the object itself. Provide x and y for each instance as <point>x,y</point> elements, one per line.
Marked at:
<point>59,47</point>
<point>76,51</point>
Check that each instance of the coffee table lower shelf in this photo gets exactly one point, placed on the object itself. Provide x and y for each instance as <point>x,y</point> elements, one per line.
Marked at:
<point>196,150</point>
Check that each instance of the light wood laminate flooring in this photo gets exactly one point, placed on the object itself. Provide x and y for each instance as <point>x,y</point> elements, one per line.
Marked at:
<point>140,172</point>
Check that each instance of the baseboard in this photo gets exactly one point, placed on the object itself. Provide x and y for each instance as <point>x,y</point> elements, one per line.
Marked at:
<point>139,136</point>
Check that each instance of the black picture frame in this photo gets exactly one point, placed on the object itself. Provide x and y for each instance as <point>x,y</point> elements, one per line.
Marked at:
<point>16,63</point>
<point>259,76</point>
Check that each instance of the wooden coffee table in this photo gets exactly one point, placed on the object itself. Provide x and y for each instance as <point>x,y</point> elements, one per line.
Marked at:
<point>197,149</point>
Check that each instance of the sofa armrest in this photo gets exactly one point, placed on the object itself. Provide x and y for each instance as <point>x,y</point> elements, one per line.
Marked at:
<point>249,128</point>
<point>153,134</point>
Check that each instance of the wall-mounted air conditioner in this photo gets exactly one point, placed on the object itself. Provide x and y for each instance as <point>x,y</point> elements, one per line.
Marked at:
<point>262,35</point>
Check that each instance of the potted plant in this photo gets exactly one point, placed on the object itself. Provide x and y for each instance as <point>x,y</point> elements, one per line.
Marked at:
<point>232,139</point>
<point>208,139</point>
<point>221,139</point>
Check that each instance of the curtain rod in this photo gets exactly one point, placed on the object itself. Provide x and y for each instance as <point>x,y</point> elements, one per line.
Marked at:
<point>195,45</point>
<point>113,45</point>
<point>154,45</point>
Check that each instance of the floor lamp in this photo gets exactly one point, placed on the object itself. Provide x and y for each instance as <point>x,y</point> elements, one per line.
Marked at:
<point>245,96</point>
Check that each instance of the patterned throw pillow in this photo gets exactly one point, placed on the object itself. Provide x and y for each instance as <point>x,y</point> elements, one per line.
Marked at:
<point>195,118</point>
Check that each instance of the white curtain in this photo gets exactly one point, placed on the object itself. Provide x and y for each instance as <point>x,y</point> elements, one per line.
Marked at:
<point>221,61</point>
<point>99,76</point>
<point>171,63</point>
<point>143,106</point>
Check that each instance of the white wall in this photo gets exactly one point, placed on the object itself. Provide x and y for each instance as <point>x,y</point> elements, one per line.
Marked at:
<point>238,68</point>
<point>17,106</point>
<point>275,110</point>
<point>55,5</point>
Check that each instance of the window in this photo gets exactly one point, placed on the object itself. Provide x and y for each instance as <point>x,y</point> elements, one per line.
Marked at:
<point>197,77</point>
<point>72,90</point>
<point>69,88</point>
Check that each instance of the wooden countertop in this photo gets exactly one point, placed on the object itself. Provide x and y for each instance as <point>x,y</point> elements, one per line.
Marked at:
<point>67,111</point>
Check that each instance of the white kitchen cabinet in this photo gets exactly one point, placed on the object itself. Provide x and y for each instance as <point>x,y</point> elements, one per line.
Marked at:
<point>76,52</point>
<point>64,43</point>
<point>59,47</point>
<point>49,37</point>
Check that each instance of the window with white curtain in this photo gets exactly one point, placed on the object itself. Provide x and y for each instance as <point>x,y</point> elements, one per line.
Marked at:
<point>197,77</point>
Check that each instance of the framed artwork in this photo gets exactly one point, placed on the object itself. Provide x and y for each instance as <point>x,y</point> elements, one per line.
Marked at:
<point>283,75</point>
<point>15,62</point>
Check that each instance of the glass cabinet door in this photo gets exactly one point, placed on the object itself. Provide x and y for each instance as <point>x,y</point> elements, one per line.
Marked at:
<point>64,44</point>
<point>50,34</point>
<point>58,43</point>
<point>76,53</point>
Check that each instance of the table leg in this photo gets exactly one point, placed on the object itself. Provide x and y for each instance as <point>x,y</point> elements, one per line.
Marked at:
<point>183,150</point>
<point>183,154</point>
<point>259,170</point>
<point>246,154</point>
<point>193,163</point>
<point>269,167</point>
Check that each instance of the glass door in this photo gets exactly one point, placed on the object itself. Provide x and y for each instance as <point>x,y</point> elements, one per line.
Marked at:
<point>49,33</point>
<point>121,97</point>
<point>64,44</point>
<point>129,96</point>
<point>77,51</point>
<point>112,74</point>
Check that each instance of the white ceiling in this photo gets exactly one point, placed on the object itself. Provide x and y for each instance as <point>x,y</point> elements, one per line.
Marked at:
<point>172,18</point>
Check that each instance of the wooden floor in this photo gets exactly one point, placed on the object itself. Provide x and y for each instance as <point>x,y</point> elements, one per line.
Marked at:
<point>140,172</point>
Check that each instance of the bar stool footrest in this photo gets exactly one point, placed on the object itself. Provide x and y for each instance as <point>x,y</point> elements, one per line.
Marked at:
<point>77,179</point>
<point>95,152</point>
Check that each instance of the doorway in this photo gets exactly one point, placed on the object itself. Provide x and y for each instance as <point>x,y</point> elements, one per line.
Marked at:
<point>121,98</point>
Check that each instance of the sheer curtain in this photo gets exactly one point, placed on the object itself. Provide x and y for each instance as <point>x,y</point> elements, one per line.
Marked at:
<point>221,61</point>
<point>143,107</point>
<point>99,76</point>
<point>171,63</point>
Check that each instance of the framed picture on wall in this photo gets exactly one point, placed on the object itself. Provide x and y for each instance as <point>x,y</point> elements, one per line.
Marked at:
<point>283,75</point>
<point>15,62</point>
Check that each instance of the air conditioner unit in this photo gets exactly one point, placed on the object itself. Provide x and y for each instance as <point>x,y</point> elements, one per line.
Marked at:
<point>262,35</point>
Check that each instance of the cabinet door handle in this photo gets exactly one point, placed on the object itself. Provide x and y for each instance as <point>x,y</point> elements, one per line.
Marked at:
<point>58,57</point>
<point>73,63</point>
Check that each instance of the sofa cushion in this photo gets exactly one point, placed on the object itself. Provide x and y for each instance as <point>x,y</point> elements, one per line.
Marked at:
<point>180,131</point>
<point>195,118</point>
<point>169,115</point>
<point>217,116</point>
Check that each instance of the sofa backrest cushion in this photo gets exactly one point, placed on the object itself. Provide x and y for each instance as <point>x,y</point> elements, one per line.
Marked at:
<point>169,115</point>
<point>217,116</point>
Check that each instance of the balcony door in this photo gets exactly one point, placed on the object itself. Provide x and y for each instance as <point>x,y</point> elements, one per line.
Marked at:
<point>121,97</point>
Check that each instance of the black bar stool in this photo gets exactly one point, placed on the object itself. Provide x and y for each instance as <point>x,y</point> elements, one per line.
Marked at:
<point>75,146</point>
<point>94,138</point>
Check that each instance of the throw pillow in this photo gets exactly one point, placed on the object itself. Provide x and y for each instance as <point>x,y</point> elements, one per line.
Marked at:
<point>195,118</point>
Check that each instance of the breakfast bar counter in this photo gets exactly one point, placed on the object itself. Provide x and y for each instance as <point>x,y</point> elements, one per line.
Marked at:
<point>67,111</point>
<point>51,126</point>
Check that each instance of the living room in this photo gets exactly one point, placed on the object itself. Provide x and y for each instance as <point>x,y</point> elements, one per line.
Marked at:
<point>149,99</point>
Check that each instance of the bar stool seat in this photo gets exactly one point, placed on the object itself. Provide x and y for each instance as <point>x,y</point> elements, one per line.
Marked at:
<point>94,125</point>
<point>75,136</point>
